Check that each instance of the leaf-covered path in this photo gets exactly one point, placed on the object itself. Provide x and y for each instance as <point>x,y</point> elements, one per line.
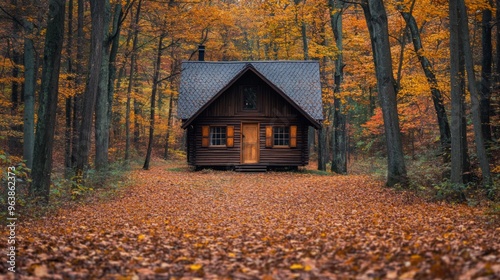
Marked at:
<point>216,224</point>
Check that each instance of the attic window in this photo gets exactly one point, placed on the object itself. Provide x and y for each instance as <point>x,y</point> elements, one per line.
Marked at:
<point>249,98</point>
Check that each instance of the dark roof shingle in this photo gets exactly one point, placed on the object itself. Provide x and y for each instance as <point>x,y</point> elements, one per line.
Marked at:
<point>202,80</point>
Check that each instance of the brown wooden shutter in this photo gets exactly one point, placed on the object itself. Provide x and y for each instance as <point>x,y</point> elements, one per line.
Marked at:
<point>230,136</point>
<point>269,136</point>
<point>205,134</point>
<point>293,136</point>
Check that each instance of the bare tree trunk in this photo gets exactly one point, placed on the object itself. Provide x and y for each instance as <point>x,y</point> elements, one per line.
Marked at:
<point>77,99</point>
<point>45,127</point>
<point>29,96</point>
<point>339,143</point>
<point>131,81</point>
<point>496,128</point>
<point>322,148</point>
<point>137,132</point>
<point>169,122</point>
<point>485,91</point>
<point>115,42</point>
<point>437,97</point>
<point>156,76</point>
<point>102,101</point>
<point>376,19</point>
<point>69,100</point>
<point>97,9</point>
<point>458,139</point>
<point>475,96</point>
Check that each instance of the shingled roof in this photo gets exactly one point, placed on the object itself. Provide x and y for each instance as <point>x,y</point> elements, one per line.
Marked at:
<point>201,81</point>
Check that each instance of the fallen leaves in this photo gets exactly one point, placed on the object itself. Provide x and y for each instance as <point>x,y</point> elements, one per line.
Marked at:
<point>267,225</point>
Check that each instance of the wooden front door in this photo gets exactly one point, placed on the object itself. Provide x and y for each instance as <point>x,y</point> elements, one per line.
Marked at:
<point>250,143</point>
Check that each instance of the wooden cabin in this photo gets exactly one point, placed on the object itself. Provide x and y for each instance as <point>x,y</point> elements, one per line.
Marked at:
<point>249,115</point>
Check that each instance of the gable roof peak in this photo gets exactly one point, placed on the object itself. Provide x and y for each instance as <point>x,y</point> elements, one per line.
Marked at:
<point>201,81</point>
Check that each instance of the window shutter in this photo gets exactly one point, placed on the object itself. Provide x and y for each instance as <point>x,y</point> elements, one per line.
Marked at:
<point>269,136</point>
<point>293,136</point>
<point>230,136</point>
<point>205,133</point>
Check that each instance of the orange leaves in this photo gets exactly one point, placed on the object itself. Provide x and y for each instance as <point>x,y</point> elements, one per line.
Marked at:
<point>276,225</point>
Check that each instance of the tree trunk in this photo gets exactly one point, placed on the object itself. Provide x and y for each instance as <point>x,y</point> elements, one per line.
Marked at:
<point>44,137</point>
<point>156,76</point>
<point>102,101</point>
<point>131,81</point>
<point>496,128</point>
<point>475,96</point>
<point>376,19</point>
<point>339,147</point>
<point>322,148</point>
<point>115,42</point>
<point>97,10</point>
<point>458,139</point>
<point>485,91</point>
<point>77,99</point>
<point>69,100</point>
<point>169,122</point>
<point>437,97</point>
<point>29,96</point>
<point>137,132</point>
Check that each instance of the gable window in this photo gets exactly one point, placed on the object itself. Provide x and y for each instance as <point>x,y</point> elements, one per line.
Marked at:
<point>217,136</point>
<point>249,98</point>
<point>281,136</point>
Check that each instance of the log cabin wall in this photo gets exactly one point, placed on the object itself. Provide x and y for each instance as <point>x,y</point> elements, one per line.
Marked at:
<point>227,110</point>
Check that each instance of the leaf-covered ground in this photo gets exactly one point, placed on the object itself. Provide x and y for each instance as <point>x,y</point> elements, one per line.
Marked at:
<point>174,223</point>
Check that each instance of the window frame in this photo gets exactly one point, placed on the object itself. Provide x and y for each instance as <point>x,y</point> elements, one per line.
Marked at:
<point>222,139</point>
<point>207,136</point>
<point>292,136</point>
<point>283,136</point>
<point>257,100</point>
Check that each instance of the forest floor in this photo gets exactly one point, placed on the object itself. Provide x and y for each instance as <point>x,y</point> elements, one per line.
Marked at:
<point>176,223</point>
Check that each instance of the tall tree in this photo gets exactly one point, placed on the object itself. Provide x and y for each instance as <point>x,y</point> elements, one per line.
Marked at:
<point>77,99</point>
<point>102,101</point>
<point>156,76</point>
<point>458,133</point>
<point>30,69</point>
<point>486,61</point>
<point>133,58</point>
<point>437,97</point>
<point>482,156</point>
<point>339,141</point>
<point>97,11</point>
<point>44,137</point>
<point>376,19</point>
<point>69,100</point>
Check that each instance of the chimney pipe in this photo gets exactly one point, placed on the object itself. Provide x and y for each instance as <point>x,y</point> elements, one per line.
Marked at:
<point>201,53</point>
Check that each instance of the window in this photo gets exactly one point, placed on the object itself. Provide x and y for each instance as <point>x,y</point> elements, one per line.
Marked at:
<point>281,136</point>
<point>249,98</point>
<point>217,136</point>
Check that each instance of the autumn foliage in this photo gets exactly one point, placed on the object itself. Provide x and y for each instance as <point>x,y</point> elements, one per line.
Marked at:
<point>176,223</point>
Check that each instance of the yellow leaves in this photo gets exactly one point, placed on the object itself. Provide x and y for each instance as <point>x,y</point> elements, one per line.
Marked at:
<point>296,266</point>
<point>141,237</point>
<point>195,267</point>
